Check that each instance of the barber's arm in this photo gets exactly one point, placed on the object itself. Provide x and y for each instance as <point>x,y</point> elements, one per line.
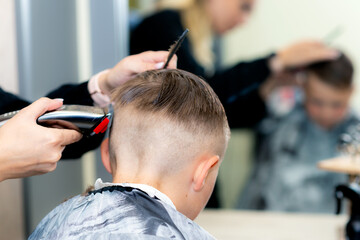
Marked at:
<point>96,91</point>
<point>238,87</point>
<point>28,149</point>
<point>301,54</point>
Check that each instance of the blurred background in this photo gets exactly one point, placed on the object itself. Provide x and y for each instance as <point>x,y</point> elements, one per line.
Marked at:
<point>45,43</point>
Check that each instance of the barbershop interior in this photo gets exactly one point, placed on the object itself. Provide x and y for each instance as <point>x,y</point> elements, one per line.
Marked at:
<point>285,73</point>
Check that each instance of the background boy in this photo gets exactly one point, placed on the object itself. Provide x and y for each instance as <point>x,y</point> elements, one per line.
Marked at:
<point>285,176</point>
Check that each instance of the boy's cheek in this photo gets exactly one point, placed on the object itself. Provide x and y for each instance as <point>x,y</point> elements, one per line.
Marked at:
<point>340,113</point>
<point>313,111</point>
<point>326,120</point>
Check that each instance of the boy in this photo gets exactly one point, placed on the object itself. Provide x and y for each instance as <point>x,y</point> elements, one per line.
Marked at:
<point>168,137</point>
<point>285,176</point>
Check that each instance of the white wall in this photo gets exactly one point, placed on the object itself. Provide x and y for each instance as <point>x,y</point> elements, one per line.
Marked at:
<point>8,60</point>
<point>276,23</point>
<point>11,197</point>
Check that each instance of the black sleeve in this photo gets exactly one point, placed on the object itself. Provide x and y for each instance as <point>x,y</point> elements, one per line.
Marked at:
<point>237,87</point>
<point>238,90</point>
<point>159,32</point>
<point>10,102</point>
<point>72,94</point>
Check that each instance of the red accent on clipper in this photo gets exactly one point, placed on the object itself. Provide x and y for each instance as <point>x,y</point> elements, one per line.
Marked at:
<point>101,128</point>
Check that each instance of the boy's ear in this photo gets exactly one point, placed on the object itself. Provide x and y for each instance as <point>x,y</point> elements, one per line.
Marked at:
<point>203,170</point>
<point>105,156</point>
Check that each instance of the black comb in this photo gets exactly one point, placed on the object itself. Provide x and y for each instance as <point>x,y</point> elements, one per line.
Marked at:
<point>173,48</point>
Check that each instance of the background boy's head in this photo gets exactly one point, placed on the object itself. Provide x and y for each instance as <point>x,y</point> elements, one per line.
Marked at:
<point>328,89</point>
<point>169,131</point>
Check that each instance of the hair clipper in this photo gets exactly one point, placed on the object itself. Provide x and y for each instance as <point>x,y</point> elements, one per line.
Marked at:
<point>85,119</point>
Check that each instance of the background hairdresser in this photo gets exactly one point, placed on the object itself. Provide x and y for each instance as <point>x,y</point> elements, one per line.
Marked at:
<point>201,52</point>
<point>238,86</point>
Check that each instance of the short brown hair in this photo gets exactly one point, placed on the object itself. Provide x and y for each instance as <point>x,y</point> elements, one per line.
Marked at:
<point>178,97</point>
<point>337,73</point>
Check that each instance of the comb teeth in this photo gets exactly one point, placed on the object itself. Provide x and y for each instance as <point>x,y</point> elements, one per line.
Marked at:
<point>174,47</point>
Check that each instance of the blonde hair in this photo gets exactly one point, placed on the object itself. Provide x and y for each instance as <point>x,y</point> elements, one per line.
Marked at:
<point>195,18</point>
<point>166,117</point>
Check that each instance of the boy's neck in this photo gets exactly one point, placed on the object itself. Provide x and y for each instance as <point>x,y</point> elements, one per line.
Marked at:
<point>169,186</point>
<point>151,191</point>
<point>137,180</point>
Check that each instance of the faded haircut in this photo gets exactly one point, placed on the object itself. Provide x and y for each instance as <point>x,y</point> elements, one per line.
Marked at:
<point>172,108</point>
<point>337,73</point>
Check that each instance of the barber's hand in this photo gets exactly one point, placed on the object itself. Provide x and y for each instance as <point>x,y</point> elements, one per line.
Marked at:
<point>301,54</point>
<point>132,65</point>
<point>28,149</point>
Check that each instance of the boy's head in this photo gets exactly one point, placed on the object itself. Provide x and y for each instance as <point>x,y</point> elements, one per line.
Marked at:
<point>169,131</point>
<point>328,89</point>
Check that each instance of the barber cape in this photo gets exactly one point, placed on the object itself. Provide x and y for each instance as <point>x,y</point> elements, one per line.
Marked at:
<point>286,176</point>
<point>118,211</point>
